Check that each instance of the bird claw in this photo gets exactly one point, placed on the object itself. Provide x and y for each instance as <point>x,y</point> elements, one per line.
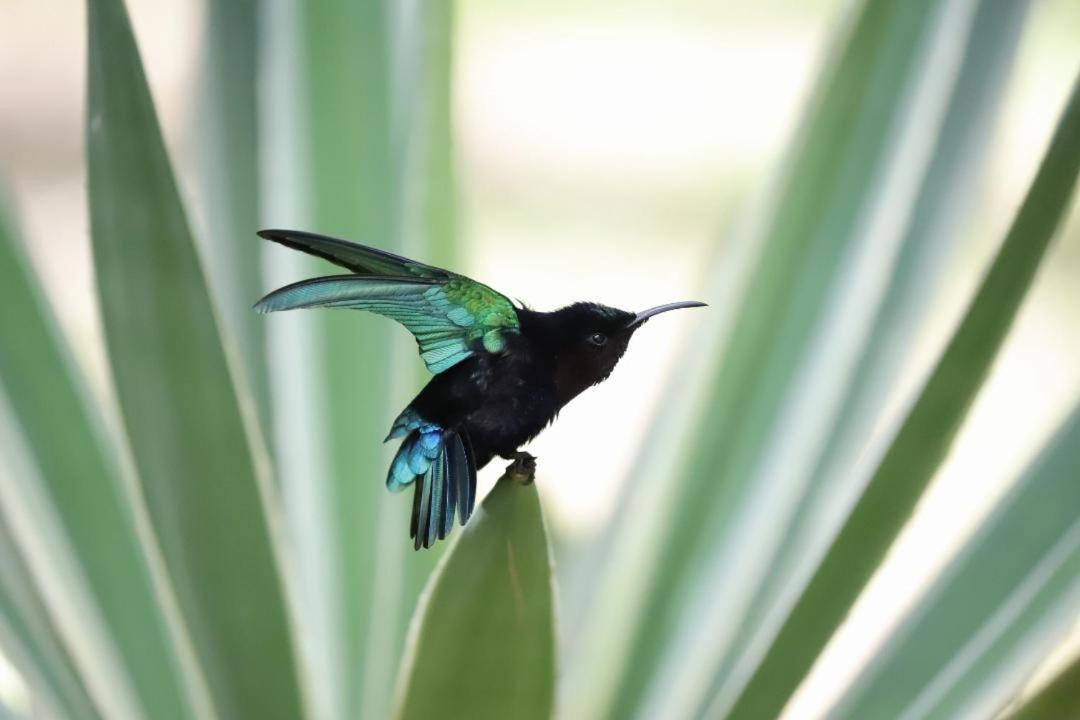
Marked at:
<point>523,468</point>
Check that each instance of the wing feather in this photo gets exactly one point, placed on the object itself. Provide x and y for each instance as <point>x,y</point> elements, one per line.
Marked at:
<point>451,316</point>
<point>360,259</point>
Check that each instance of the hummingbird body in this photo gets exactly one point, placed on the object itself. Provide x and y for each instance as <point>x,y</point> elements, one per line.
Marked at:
<point>504,400</point>
<point>501,402</point>
<point>502,372</point>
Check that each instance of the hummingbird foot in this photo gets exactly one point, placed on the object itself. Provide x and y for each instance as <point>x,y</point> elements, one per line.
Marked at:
<point>523,468</point>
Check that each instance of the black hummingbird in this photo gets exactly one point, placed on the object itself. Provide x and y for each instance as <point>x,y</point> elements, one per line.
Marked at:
<point>502,372</point>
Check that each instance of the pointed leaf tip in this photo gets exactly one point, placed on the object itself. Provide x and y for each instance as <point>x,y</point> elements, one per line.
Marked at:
<point>178,401</point>
<point>482,641</point>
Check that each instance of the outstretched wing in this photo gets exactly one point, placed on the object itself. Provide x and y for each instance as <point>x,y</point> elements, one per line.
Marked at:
<point>359,259</point>
<point>451,316</point>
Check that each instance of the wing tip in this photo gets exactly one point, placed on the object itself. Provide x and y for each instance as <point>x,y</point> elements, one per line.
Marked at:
<point>275,301</point>
<point>263,306</point>
<point>273,234</point>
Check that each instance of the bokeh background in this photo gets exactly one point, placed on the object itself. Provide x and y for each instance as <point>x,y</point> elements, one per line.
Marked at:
<point>606,151</point>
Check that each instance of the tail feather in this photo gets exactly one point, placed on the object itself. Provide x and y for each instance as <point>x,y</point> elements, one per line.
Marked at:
<point>461,459</point>
<point>450,506</point>
<point>433,526</point>
<point>414,524</point>
<point>439,463</point>
<point>424,491</point>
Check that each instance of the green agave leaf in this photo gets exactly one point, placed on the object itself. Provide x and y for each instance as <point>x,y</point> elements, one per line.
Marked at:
<point>1060,698</point>
<point>31,641</point>
<point>944,197</point>
<point>327,147</point>
<point>206,490</point>
<point>358,112</point>
<point>229,182</point>
<point>482,643</point>
<point>995,612</point>
<point>427,214</point>
<point>49,402</point>
<point>760,388</point>
<point>297,418</point>
<point>354,190</point>
<point>6,713</point>
<point>925,435</point>
<point>423,142</point>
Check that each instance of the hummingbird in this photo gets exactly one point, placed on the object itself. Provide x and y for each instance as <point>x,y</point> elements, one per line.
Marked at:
<point>502,371</point>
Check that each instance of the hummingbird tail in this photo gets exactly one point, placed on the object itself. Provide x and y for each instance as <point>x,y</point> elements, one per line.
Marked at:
<point>439,463</point>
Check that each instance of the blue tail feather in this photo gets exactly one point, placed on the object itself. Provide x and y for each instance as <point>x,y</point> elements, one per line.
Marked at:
<point>441,460</point>
<point>463,464</point>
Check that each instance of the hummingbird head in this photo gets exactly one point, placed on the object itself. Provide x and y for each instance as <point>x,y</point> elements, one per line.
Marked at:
<point>589,339</point>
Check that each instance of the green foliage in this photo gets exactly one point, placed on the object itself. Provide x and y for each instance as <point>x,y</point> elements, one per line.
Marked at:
<point>838,168</point>
<point>492,590</point>
<point>1060,698</point>
<point>229,184</point>
<point>168,565</point>
<point>78,474</point>
<point>956,653</point>
<point>921,443</point>
<point>201,468</point>
<point>31,640</point>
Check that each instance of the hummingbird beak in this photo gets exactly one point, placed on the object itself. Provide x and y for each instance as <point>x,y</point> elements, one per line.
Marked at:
<point>644,315</point>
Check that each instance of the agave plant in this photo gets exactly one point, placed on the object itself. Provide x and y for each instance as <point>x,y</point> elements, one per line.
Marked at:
<point>200,545</point>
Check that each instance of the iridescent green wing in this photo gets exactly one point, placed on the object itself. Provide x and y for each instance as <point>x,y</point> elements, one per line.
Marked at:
<point>451,316</point>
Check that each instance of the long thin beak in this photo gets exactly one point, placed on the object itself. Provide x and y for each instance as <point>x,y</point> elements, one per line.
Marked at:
<point>644,315</point>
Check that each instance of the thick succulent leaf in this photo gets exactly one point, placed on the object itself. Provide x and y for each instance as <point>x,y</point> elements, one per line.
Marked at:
<point>228,139</point>
<point>47,398</point>
<point>206,487</point>
<point>758,389</point>
<point>995,612</point>
<point>427,211</point>
<point>1060,698</point>
<point>353,88</point>
<point>925,435</point>
<point>482,644</point>
<point>324,131</point>
<point>342,125</point>
<point>932,230</point>
<point>31,641</point>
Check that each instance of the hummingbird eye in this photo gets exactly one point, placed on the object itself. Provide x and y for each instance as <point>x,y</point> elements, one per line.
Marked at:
<point>598,339</point>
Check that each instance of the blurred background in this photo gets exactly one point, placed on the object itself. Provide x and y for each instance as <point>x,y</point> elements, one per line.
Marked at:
<point>607,151</point>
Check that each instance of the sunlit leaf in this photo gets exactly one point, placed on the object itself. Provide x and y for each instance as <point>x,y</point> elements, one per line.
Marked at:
<point>365,121</point>
<point>31,641</point>
<point>427,214</point>
<point>206,491</point>
<point>79,477</point>
<point>353,191</point>
<point>996,611</point>
<point>226,117</point>
<point>1060,698</point>
<point>925,436</point>
<point>756,392</point>
<point>933,228</point>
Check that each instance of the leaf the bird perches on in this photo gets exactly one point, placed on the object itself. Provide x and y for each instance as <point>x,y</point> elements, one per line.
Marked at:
<point>493,589</point>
